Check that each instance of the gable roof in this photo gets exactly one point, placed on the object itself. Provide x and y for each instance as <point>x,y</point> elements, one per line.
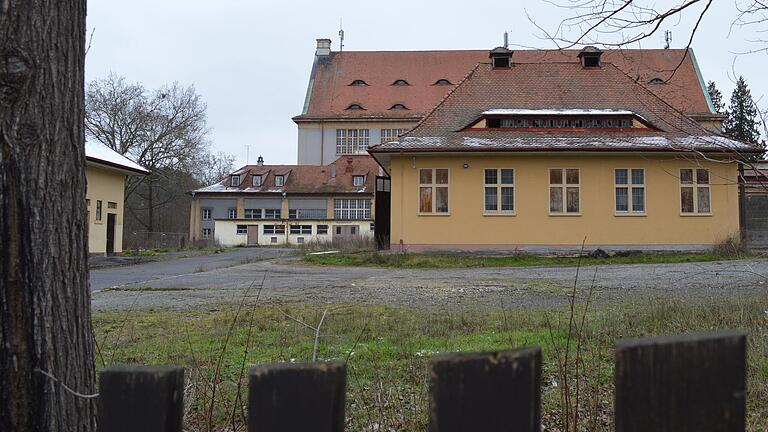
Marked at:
<point>335,178</point>
<point>555,86</point>
<point>330,92</point>
<point>98,153</point>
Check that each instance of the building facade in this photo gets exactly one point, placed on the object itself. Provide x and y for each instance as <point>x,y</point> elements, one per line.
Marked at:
<point>287,204</point>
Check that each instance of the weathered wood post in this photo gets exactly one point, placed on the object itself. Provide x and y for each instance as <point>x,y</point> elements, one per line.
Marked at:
<point>141,398</point>
<point>497,391</point>
<point>296,397</point>
<point>681,383</point>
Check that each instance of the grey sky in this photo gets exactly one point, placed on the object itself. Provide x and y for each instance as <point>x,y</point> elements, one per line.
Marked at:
<point>250,60</point>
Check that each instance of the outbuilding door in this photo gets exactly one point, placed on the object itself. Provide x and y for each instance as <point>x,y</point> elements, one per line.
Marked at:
<point>111,217</point>
<point>253,235</point>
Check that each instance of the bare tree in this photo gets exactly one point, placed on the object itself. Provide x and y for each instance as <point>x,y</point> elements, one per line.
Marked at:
<point>214,167</point>
<point>46,340</point>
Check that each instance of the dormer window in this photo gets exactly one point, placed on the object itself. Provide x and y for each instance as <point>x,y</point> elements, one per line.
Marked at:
<point>443,81</point>
<point>590,57</point>
<point>400,82</point>
<point>656,80</point>
<point>355,107</point>
<point>398,106</point>
<point>235,180</point>
<point>358,180</point>
<point>257,180</point>
<point>279,180</point>
<point>358,83</point>
<point>501,58</point>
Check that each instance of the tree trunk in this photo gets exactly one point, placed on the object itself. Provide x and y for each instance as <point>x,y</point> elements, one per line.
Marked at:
<point>45,321</point>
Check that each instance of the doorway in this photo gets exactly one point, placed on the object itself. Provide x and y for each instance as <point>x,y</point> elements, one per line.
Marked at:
<point>111,217</point>
<point>253,235</point>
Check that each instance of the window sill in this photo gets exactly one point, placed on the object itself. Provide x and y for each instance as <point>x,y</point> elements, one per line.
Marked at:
<point>565,214</point>
<point>492,214</point>
<point>696,215</point>
<point>433,214</point>
<point>628,214</point>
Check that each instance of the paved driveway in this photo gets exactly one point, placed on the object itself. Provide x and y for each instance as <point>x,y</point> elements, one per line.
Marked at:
<point>540,287</point>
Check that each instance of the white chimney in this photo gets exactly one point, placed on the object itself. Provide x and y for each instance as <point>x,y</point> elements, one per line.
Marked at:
<point>323,47</point>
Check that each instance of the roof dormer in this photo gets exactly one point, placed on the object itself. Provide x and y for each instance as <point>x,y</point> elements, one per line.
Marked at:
<point>590,57</point>
<point>501,58</point>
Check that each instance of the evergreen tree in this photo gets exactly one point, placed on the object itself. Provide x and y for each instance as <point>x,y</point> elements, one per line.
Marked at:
<point>742,115</point>
<point>715,96</point>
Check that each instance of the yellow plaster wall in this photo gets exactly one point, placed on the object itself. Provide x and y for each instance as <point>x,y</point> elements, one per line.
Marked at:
<point>467,226</point>
<point>105,185</point>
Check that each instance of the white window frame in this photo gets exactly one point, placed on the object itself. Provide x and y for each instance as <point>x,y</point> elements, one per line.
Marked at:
<point>206,233</point>
<point>275,212</point>
<point>256,180</point>
<point>301,229</point>
<point>564,188</point>
<point>255,213</point>
<point>352,141</point>
<point>629,186</point>
<point>695,186</point>
<point>238,231</point>
<point>434,186</point>
<point>499,186</point>
<point>232,213</point>
<point>279,180</point>
<point>323,228</point>
<point>355,179</point>
<point>352,208</point>
<point>388,135</point>
<point>274,229</point>
<point>234,183</point>
<point>205,213</point>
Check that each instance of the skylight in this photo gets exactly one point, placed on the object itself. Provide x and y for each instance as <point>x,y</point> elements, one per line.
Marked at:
<point>398,106</point>
<point>443,81</point>
<point>358,83</point>
<point>400,82</point>
<point>656,80</point>
<point>355,106</point>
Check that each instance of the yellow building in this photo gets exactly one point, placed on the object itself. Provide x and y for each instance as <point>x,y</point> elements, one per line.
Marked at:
<point>105,172</point>
<point>542,156</point>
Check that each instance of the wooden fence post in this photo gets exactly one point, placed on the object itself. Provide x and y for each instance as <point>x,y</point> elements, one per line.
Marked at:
<point>486,391</point>
<point>297,397</point>
<point>141,398</point>
<point>681,383</point>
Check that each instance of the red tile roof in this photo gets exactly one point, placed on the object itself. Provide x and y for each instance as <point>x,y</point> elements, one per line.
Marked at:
<point>331,94</point>
<point>335,178</point>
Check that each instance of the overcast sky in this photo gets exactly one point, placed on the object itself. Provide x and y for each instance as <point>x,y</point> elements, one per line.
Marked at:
<point>250,60</point>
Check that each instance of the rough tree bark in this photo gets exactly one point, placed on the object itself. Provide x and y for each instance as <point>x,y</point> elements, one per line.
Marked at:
<point>45,323</point>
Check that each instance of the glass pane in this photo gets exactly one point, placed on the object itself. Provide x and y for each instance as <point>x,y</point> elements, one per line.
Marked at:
<point>507,198</point>
<point>556,200</point>
<point>702,176</point>
<point>572,176</point>
<point>425,200</point>
<point>686,176</point>
<point>703,197</point>
<point>622,204</point>
<point>441,200</point>
<point>638,176</point>
<point>556,176</point>
<point>573,200</point>
<point>686,200</point>
<point>638,200</point>
<point>425,176</point>
<point>508,176</point>
<point>441,176</point>
<point>491,199</point>
<point>621,176</point>
<point>491,177</point>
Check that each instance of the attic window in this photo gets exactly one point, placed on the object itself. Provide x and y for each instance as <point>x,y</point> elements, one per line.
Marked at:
<point>400,82</point>
<point>279,180</point>
<point>257,180</point>
<point>355,106</point>
<point>358,180</point>
<point>359,83</point>
<point>501,62</point>
<point>591,61</point>
<point>398,106</point>
<point>235,181</point>
<point>443,81</point>
<point>656,81</point>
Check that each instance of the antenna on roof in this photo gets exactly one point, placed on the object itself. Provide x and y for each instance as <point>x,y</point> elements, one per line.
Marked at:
<point>667,38</point>
<point>341,35</point>
<point>247,153</point>
<point>506,39</point>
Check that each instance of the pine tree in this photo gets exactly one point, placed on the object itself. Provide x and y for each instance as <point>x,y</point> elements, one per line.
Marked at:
<point>715,96</point>
<point>742,115</point>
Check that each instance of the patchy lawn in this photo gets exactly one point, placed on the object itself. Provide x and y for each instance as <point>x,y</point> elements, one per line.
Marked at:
<point>388,350</point>
<point>461,260</point>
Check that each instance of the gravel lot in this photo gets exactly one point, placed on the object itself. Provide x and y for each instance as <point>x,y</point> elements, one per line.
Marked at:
<point>539,287</point>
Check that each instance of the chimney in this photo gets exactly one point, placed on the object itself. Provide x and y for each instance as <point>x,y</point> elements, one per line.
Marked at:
<point>260,161</point>
<point>349,167</point>
<point>323,47</point>
<point>501,58</point>
<point>590,57</point>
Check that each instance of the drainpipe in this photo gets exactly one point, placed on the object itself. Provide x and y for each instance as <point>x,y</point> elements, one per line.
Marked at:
<point>742,206</point>
<point>322,142</point>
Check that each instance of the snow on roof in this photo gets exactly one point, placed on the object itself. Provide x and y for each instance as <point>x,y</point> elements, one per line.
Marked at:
<point>514,111</point>
<point>99,153</point>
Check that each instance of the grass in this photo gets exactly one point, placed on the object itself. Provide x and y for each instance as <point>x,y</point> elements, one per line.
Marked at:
<point>389,349</point>
<point>455,260</point>
<point>145,252</point>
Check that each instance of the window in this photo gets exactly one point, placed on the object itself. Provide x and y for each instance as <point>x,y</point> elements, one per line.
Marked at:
<point>257,180</point>
<point>235,180</point>
<point>205,213</point>
<point>301,229</point>
<point>561,123</point>
<point>499,190</point>
<point>252,213</point>
<point>358,83</point>
<point>279,180</point>
<point>501,62</point>
<point>443,81</point>
<point>111,205</point>
<point>433,190</point>
<point>232,213</point>
<point>242,230</point>
<point>694,191</point>
<point>398,106</point>
<point>400,82</point>
<point>271,213</point>
<point>87,202</point>
<point>351,141</point>
<point>322,229</point>
<point>206,233</point>
<point>373,226</point>
<point>273,240</point>
<point>630,190</point>
<point>388,135</point>
<point>274,229</point>
<point>358,180</point>
<point>98,210</point>
<point>300,240</point>
<point>355,107</point>
<point>338,230</point>
<point>590,60</point>
<point>564,190</point>
<point>353,230</point>
<point>656,80</point>
<point>351,209</point>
